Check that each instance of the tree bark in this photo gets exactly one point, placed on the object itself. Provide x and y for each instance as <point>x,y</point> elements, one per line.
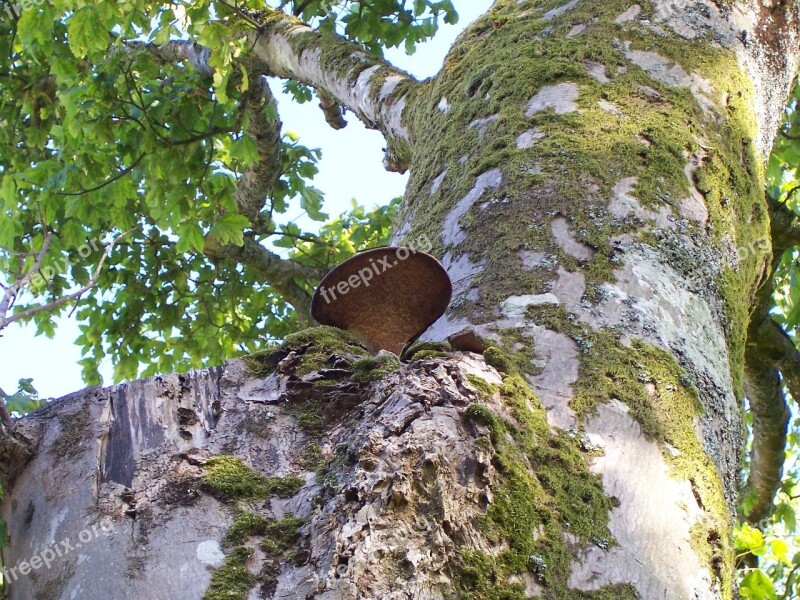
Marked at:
<point>591,175</point>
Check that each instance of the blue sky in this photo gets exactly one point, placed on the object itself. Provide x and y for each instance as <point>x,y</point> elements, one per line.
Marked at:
<point>351,167</point>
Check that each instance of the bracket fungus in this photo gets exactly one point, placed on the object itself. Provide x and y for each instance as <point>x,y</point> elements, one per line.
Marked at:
<point>386,296</point>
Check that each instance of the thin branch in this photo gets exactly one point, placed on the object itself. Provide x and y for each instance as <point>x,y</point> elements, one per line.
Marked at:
<point>25,314</point>
<point>12,291</point>
<point>334,115</point>
<point>107,182</point>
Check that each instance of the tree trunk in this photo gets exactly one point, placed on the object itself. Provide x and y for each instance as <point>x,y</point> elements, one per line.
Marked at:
<point>591,175</point>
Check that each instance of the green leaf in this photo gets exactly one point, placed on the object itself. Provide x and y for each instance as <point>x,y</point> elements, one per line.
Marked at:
<point>245,150</point>
<point>757,586</point>
<point>87,34</point>
<point>229,229</point>
<point>190,237</point>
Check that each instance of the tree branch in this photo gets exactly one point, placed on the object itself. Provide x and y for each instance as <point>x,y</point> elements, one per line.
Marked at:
<point>770,419</point>
<point>264,127</point>
<point>11,292</point>
<point>281,274</point>
<point>334,115</point>
<point>364,84</point>
<point>341,72</point>
<point>6,321</point>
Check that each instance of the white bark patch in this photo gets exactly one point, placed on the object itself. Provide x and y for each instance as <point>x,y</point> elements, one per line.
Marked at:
<point>210,554</point>
<point>437,183</point>
<point>516,306</point>
<point>567,242</point>
<point>668,72</point>
<point>597,71</point>
<point>652,523</point>
<point>530,138</point>
<point>693,207</point>
<point>558,355</point>
<point>461,272</point>
<point>451,231</point>
<point>444,105</point>
<point>560,97</point>
<point>531,260</point>
<point>577,30</point>
<point>481,125</point>
<point>552,14</point>
<point>389,86</point>
<point>629,15</point>
<point>610,107</point>
<point>624,204</point>
<point>671,314</point>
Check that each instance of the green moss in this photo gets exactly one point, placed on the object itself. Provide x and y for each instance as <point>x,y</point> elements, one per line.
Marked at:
<point>75,430</point>
<point>429,354</point>
<point>232,581</point>
<point>375,368</point>
<point>280,535</point>
<point>245,524</point>
<point>312,458</point>
<point>420,350</point>
<point>261,364</point>
<point>499,359</point>
<point>544,490</point>
<point>315,346</point>
<point>311,418</point>
<point>229,478</point>
<point>484,387</point>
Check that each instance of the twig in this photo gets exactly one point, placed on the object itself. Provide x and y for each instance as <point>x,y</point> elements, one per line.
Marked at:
<point>5,321</point>
<point>107,182</point>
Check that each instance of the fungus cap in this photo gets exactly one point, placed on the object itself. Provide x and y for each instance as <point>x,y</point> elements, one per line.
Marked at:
<point>386,296</point>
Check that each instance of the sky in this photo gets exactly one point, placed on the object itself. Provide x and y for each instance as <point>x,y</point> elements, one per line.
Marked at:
<point>351,167</point>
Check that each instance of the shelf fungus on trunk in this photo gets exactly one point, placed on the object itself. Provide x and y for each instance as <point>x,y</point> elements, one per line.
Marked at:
<point>386,296</point>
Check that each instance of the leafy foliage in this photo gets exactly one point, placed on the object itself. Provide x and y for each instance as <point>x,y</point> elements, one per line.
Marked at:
<point>98,137</point>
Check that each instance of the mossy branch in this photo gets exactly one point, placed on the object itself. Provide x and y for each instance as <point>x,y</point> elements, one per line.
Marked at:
<point>264,126</point>
<point>772,362</point>
<point>340,71</point>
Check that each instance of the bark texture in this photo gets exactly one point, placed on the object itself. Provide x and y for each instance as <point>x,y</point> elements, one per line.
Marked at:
<point>593,176</point>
